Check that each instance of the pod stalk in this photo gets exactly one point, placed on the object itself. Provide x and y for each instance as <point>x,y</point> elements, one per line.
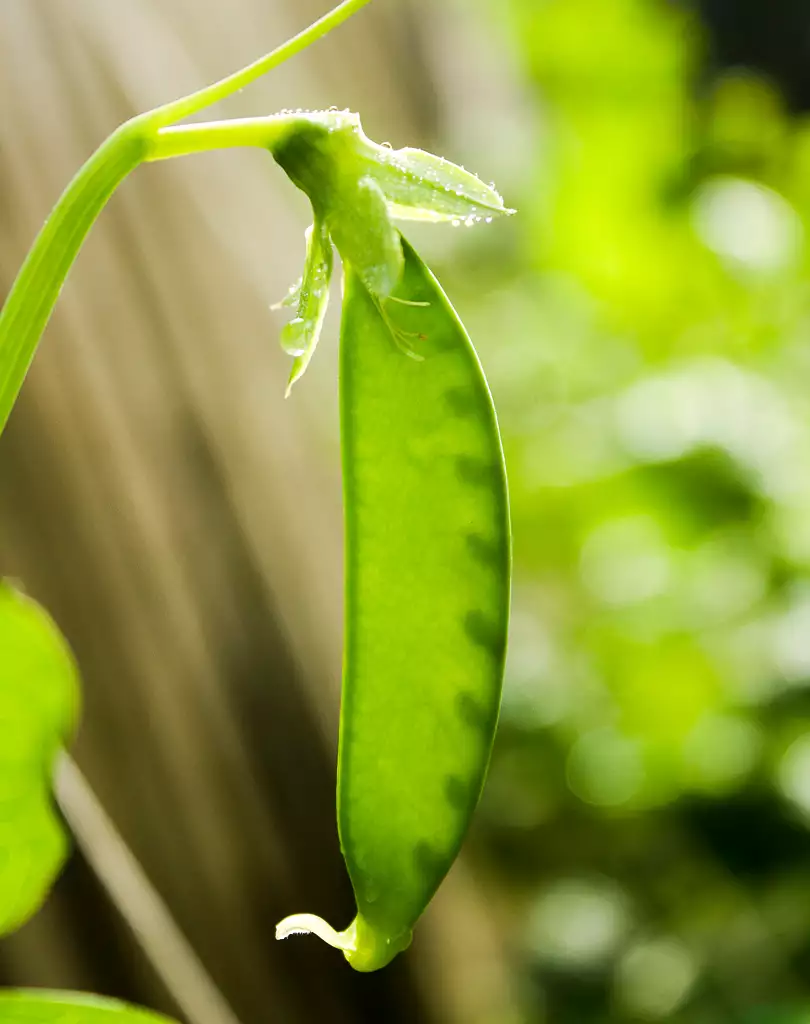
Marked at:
<point>364,946</point>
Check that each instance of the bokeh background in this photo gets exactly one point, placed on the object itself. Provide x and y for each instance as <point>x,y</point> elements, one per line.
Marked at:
<point>642,850</point>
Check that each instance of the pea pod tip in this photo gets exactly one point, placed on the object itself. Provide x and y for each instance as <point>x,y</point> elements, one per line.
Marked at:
<point>363,945</point>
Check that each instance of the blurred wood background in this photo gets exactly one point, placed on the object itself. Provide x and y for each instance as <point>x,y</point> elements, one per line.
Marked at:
<point>183,523</point>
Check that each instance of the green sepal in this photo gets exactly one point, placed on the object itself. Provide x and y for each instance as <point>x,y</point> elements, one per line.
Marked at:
<point>421,186</point>
<point>300,336</point>
<point>325,153</point>
<point>357,188</point>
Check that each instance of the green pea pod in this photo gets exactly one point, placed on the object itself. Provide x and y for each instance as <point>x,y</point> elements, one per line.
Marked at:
<point>427,604</point>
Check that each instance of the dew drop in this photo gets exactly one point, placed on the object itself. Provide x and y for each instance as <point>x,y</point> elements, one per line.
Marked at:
<point>293,336</point>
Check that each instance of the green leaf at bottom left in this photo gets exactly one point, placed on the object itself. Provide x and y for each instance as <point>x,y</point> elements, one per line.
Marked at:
<point>39,699</point>
<point>39,1007</point>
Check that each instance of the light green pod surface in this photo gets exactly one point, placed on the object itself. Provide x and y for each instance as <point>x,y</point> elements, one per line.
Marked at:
<point>427,599</point>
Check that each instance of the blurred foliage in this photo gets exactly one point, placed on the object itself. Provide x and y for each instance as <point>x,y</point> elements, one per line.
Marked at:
<point>69,1008</point>
<point>38,707</point>
<point>645,827</point>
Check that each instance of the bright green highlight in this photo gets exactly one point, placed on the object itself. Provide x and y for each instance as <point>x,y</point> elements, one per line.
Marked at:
<point>42,1007</point>
<point>39,696</point>
<point>427,604</point>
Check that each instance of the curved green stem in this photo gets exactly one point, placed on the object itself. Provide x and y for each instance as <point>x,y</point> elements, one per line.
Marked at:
<point>178,109</point>
<point>36,289</point>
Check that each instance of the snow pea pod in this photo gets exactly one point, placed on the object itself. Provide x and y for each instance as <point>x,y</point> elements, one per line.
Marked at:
<point>427,603</point>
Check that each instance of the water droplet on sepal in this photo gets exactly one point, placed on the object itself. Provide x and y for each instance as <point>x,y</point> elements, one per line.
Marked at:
<point>299,337</point>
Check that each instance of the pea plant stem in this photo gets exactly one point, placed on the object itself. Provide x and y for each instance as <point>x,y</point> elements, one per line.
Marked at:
<point>148,136</point>
<point>187,139</point>
<point>31,300</point>
<point>138,902</point>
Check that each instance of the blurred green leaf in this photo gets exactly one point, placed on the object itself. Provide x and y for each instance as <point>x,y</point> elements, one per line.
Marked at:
<point>39,697</point>
<point>779,1015</point>
<point>645,326</point>
<point>70,1008</point>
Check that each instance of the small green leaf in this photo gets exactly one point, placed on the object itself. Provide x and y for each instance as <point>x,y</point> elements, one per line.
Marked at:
<point>420,186</point>
<point>326,153</point>
<point>42,1007</point>
<point>311,296</point>
<point>39,697</point>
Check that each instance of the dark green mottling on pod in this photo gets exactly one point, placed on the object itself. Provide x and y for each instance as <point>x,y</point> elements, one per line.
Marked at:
<point>488,551</point>
<point>462,401</point>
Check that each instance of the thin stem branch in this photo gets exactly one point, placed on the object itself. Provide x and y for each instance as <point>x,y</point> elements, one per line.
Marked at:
<point>186,139</point>
<point>192,104</point>
<point>141,906</point>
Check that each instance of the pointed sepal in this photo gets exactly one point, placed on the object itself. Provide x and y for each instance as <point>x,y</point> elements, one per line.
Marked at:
<point>310,297</point>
